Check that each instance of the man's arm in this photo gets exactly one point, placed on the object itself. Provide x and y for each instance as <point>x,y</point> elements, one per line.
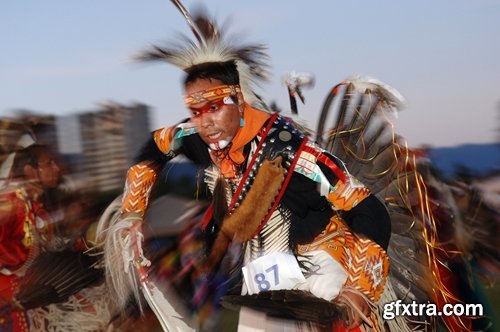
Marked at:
<point>142,176</point>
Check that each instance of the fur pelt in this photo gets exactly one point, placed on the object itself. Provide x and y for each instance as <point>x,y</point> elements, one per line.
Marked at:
<point>242,224</point>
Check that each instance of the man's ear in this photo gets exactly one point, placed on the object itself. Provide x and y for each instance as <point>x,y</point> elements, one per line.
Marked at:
<point>30,172</point>
<point>241,100</point>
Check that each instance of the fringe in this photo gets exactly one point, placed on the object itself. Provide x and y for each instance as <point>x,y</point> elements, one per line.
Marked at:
<point>86,311</point>
<point>399,323</point>
<point>117,239</point>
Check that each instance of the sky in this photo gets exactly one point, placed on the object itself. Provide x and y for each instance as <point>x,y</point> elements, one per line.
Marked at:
<point>64,57</point>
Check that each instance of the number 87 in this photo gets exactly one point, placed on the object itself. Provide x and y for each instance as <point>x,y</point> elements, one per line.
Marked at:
<point>262,283</point>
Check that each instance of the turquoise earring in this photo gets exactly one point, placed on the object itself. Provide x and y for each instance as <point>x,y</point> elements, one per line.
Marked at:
<point>242,121</point>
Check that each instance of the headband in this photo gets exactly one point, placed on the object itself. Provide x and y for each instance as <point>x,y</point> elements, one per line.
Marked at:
<point>211,94</point>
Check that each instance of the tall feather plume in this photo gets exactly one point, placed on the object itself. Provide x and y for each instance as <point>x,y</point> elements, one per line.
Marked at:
<point>355,126</point>
<point>435,225</point>
<point>189,20</point>
<point>392,97</point>
<point>212,45</point>
<point>362,134</point>
<point>206,27</point>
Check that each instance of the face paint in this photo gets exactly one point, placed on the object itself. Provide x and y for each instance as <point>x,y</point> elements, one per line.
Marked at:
<point>222,144</point>
<point>217,116</point>
<point>228,100</point>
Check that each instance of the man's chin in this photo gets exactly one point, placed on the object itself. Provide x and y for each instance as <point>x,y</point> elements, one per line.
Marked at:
<point>219,145</point>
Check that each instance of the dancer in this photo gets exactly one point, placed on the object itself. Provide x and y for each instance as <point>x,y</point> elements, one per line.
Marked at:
<point>280,201</point>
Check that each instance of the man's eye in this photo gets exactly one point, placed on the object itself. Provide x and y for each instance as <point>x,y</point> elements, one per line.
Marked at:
<point>214,108</point>
<point>195,113</point>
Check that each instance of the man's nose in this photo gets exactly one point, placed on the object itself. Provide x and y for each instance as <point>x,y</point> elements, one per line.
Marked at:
<point>55,166</point>
<point>206,119</point>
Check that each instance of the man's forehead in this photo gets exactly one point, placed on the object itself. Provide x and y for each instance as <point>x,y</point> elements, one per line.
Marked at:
<point>46,156</point>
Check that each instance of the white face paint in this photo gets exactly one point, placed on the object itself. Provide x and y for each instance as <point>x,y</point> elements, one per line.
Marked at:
<point>228,100</point>
<point>222,144</point>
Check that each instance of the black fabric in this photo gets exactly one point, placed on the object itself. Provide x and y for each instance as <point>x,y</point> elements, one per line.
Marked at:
<point>370,218</point>
<point>192,147</point>
<point>151,152</point>
<point>195,150</point>
<point>311,212</point>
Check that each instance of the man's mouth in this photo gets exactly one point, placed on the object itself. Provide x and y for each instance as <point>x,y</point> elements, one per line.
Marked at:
<point>215,137</point>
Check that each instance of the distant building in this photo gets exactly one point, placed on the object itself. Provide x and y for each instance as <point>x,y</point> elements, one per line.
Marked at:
<point>68,133</point>
<point>110,139</point>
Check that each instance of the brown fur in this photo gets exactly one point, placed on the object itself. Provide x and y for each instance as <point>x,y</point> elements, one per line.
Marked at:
<point>243,223</point>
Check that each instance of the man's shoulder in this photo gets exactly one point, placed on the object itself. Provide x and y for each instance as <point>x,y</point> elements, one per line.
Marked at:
<point>13,189</point>
<point>12,197</point>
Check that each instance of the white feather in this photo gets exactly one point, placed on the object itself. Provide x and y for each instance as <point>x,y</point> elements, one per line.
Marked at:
<point>113,234</point>
<point>392,97</point>
<point>6,166</point>
<point>167,312</point>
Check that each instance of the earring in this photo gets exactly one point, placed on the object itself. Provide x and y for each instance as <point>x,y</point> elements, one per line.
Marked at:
<point>241,107</point>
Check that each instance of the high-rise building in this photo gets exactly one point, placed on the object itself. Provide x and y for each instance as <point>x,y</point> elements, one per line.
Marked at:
<point>110,139</point>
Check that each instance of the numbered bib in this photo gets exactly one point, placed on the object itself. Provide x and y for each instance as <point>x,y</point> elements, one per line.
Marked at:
<point>272,272</point>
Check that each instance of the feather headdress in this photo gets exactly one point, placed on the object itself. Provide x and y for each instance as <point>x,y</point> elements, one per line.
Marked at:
<point>211,45</point>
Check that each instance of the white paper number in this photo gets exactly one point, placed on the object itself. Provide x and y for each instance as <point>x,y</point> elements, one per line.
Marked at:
<point>272,272</point>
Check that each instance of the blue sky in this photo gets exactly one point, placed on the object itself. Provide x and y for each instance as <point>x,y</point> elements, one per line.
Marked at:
<point>63,57</point>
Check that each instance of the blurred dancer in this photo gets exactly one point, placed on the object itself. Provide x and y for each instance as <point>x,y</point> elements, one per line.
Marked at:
<point>39,264</point>
<point>25,225</point>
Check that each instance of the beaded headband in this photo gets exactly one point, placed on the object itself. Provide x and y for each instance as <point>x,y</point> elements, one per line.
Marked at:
<point>211,94</point>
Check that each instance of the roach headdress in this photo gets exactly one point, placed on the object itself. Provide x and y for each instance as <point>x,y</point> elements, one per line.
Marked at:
<point>211,45</point>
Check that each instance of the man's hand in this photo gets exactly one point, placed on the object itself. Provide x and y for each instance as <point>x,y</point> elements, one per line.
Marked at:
<point>358,308</point>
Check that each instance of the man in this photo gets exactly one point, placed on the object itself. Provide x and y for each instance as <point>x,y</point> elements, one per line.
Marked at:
<point>25,224</point>
<point>38,261</point>
<point>34,174</point>
<point>282,206</point>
